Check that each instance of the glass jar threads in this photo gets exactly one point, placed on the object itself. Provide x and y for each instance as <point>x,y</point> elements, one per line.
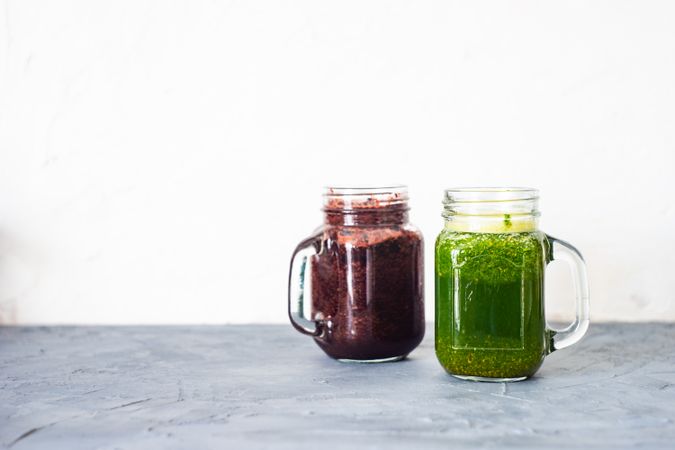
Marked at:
<point>364,269</point>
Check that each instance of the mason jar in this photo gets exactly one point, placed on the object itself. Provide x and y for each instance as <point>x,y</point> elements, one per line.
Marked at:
<point>361,277</point>
<point>490,267</point>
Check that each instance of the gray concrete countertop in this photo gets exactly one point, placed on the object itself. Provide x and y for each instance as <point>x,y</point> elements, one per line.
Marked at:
<point>240,387</point>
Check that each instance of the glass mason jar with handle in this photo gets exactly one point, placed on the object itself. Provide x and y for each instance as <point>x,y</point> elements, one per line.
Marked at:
<point>490,264</point>
<point>361,274</point>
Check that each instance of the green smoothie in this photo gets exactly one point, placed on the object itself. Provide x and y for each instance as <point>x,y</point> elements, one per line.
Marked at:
<point>489,302</point>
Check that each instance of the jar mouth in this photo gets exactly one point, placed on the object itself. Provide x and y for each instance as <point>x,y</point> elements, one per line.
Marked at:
<point>490,194</point>
<point>364,198</point>
<point>491,202</point>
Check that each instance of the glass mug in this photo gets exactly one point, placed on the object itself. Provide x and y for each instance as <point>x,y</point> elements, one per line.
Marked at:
<point>490,265</point>
<point>362,274</point>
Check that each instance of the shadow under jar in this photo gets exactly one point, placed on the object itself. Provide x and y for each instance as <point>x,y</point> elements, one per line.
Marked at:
<point>490,264</point>
<point>364,268</point>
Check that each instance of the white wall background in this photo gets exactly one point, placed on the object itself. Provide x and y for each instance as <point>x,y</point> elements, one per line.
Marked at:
<point>160,160</point>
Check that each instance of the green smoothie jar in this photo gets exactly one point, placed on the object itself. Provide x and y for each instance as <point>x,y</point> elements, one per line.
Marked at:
<point>490,264</point>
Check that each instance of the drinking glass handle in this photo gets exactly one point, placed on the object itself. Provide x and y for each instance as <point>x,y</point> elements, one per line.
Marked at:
<point>296,286</point>
<point>562,251</point>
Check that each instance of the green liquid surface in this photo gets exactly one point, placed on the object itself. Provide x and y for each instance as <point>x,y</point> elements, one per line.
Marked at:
<point>489,303</point>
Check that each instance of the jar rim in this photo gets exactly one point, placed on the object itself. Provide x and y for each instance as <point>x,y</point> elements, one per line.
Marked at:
<point>489,194</point>
<point>364,190</point>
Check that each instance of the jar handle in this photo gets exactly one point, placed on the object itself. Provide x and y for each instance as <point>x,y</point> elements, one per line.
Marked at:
<point>296,286</point>
<point>562,251</point>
